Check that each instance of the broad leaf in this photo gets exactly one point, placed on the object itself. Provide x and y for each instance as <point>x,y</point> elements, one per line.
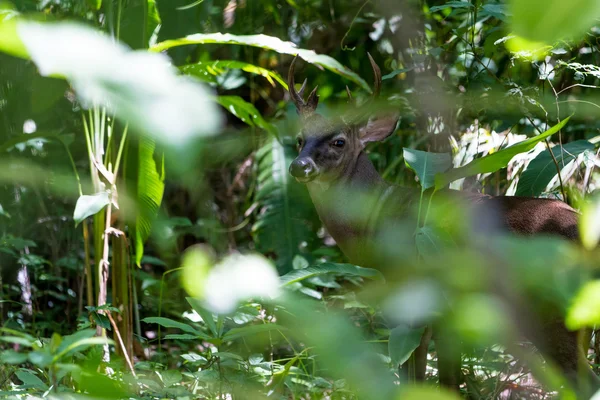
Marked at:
<point>250,330</point>
<point>207,69</point>
<point>585,310</point>
<point>453,5</point>
<point>413,392</point>
<point>329,268</point>
<point>589,228</point>
<point>286,217</point>
<point>138,86</point>
<point>169,323</point>
<point>403,342</point>
<point>268,43</point>
<point>151,186</point>
<point>426,165</point>
<point>542,169</point>
<point>206,315</point>
<point>30,380</point>
<point>548,21</point>
<point>12,357</point>
<point>430,242</point>
<point>497,160</point>
<point>246,112</point>
<point>89,205</point>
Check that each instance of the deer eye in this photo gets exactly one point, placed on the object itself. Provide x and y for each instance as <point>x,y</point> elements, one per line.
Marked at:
<point>338,143</point>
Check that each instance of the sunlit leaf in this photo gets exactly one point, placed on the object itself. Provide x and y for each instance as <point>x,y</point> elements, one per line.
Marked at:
<point>542,169</point>
<point>548,21</point>
<point>268,43</point>
<point>139,87</point>
<point>426,165</point>
<point>90,205</point>
<point>426,392</point>
<point>589,228</point>
<point>497,160</point>
<point>585,310</point>
<point>246,112</point>
<point>151,186</point>
<point>196,263</point>
<point>215,68</point>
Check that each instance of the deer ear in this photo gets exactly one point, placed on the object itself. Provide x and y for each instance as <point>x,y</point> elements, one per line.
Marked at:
<point>379,128</point>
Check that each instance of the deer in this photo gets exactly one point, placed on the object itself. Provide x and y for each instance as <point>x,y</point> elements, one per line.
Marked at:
<point>332,163</point>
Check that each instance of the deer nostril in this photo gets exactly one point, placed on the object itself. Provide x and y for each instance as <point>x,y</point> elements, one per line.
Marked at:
<point>302,168</point>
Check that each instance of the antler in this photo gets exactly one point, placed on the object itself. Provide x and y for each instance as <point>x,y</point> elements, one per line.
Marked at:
<point>366,108</point>
<point>304,107</point>
<point>377,75</point>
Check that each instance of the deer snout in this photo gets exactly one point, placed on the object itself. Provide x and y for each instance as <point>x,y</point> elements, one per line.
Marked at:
<point>303,169</point>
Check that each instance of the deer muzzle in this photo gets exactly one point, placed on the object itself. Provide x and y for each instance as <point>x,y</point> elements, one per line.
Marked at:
<point>303,169</point>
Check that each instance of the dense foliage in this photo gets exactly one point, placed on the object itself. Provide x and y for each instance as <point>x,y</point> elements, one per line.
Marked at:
<point>153,244</point>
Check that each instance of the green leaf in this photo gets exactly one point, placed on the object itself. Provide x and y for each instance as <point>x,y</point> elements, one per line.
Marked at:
<point>151,187</point>
<point>16,340</point>
<point>589,228</point>
<point>170,377</point>
<point>12,357</point>
<point>203,69</point>
<point>40,358</point>
<point>267,43</point>
<point>138,86</point>
<point>60,344</point>
<point>30,380</point>
<point>548,21</point>
<point>206,315</point>
<point>90,205</point>
<point>403,341</point>
<point>426,165</point>
<point>429,242</point>
<point>542,169</point>
<point>329,268</point>
<point>181,336</point>
<point>169,323</point>
<point>412,392</point>
<point>286,218</point>
<point>396,72</point>
<point>246,112</point>
<point>11,42</point>
<point>453,5</point>
<point>585,310</point>
<point>250,330</point>
<point>497,160</point>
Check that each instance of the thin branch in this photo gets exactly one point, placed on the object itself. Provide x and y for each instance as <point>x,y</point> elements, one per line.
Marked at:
<point>125,354</point>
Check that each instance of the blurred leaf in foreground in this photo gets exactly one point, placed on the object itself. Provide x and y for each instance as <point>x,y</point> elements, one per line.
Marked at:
<point>548,21</point>
<point>139,87</point>
<point>585,310</point>
<point>589,228</point>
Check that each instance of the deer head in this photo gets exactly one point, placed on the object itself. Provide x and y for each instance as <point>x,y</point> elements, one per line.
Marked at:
<point>329,148</point>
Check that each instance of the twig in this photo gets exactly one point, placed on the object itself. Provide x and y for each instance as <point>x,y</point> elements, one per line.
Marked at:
<point>114,325</point>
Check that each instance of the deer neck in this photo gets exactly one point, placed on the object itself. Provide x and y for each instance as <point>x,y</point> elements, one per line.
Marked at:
<point>345,217</point>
